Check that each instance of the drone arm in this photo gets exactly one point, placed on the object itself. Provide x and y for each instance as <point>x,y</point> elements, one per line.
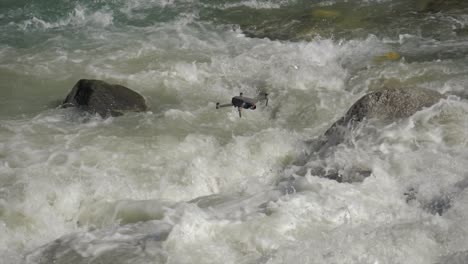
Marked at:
<point>263,97</point>
<point>222,105</point>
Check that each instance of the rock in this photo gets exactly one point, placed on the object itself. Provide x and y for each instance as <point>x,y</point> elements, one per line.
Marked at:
<point>353,175</point>
<point>325,13</point>
<point>386,105</point>
<point>439,204</point>
<point>308,20</point>
<point>389,56</point>
<point>442,5</point>
<point>95,96</point>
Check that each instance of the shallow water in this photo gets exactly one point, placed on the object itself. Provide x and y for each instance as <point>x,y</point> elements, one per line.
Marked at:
<point>185,183</point>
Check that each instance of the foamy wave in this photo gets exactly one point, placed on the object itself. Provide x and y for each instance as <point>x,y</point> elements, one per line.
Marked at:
<point>80,16</point>
<point>258,4</point>
<point>134,5</point>
<point>133,8</point>
<point>459,21</point>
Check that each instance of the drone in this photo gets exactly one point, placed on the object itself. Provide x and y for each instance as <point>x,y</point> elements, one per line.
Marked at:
<point>245,102</point>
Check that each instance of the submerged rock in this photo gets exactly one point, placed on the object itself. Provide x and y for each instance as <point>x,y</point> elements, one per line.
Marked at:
<point>307,20</point>
<point>441,5</point>
<point>95,96</point>
<point>439,204</point>
<point>348,175</point>
<point>306,24</point>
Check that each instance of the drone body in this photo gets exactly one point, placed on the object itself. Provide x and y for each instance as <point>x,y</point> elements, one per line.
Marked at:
<point>245,102</point>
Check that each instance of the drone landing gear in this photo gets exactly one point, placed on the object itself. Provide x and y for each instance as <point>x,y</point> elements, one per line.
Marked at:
<point>266,99</point>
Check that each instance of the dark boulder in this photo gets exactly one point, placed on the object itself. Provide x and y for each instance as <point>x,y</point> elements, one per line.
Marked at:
<point>95,96</point>
<point>442,5</point>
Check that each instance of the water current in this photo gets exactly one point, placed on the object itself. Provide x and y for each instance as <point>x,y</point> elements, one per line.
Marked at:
<point>186,183</point>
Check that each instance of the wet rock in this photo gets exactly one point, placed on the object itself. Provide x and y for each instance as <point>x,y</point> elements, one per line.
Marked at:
<point>352,174</point>
<point>349,177</point>
<point>441,5</point>
<point>95,96</point>
<point>386,105</point>
<point>306,24</point>
<point>438,204</point>
<point>308,20</point>
<point>123,244</point>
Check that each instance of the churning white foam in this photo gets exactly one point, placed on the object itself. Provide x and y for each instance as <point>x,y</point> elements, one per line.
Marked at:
<point>125,186</point>
<point>270,4</point>
<point>80,16</point>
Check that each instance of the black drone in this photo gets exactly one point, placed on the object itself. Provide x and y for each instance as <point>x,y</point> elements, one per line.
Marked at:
<point>245,102</point>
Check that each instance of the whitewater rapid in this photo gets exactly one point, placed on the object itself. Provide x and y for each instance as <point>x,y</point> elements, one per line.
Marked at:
<point>186,183</point>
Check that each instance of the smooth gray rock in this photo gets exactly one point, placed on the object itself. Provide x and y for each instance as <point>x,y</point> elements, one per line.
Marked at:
<point>386,105</point>
<point>95,96</point>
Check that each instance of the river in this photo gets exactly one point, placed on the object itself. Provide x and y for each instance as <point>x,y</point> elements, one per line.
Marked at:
<point>186,183</point>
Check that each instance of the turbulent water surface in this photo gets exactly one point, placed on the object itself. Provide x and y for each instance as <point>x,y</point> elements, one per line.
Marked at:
<point>186,183</point>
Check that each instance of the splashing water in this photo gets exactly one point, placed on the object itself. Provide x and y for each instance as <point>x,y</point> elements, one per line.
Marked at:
<point>185,183</point>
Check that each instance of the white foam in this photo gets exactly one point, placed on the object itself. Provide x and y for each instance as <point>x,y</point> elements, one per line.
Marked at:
<point>175,167</point>
<point>62,173</point>
<point>136,5</point>
<point>270,4</point>
<point>80,16</point>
